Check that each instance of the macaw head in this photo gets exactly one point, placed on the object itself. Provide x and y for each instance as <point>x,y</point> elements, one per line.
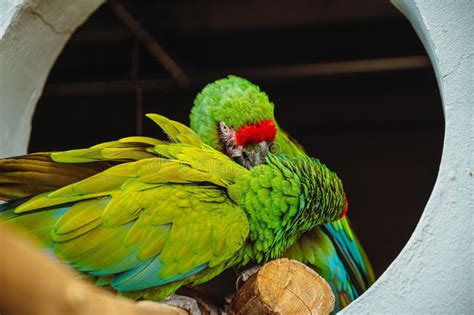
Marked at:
<point>235,117</point>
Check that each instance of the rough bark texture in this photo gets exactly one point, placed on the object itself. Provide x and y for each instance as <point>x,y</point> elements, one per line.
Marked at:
<point>284,286</point>
<point>33,284</point>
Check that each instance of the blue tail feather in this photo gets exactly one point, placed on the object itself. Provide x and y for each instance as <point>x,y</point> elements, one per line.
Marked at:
<point>146,276</point>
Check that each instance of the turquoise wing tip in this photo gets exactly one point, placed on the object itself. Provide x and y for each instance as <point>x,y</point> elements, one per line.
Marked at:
<point>146,276</point>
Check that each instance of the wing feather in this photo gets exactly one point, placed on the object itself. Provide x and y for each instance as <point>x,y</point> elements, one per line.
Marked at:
<point>158,221</point>
<point>176,131</point>
<point>36,173</point>
<point>168,232</point>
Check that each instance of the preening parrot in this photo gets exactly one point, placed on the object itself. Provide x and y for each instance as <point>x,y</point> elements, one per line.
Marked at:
<point>236,117</point>
<point>157,215</point>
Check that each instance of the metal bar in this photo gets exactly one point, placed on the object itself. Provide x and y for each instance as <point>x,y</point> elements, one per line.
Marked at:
<point>275,72</point>
<point>135,74</point>
<point>340,67</point>
<point>176,72</point>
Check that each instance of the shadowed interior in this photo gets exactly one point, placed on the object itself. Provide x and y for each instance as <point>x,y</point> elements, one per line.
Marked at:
<point>380,131</point>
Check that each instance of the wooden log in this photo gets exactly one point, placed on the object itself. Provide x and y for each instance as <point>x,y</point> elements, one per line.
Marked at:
<point>284,286</point>
<point>30,283</point>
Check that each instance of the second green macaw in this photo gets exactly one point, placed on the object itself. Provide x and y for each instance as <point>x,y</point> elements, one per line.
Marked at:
<point>175,214</point>
<point>236,117</point>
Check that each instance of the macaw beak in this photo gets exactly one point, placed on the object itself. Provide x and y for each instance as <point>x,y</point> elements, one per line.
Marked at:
<point>254,154</point>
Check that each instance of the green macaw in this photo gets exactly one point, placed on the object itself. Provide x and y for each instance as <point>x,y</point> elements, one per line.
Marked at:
<point>167,214</point>
<point>233,115</point>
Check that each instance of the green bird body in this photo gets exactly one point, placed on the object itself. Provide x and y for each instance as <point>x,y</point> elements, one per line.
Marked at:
<point>162,215</point>
<point>333,249</point>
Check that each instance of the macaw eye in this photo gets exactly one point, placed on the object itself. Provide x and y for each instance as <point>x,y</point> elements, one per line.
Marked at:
<point>274,148</point>
<point>224,129</point>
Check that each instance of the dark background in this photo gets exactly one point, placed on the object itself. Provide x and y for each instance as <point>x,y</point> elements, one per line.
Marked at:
<point>380,129</point>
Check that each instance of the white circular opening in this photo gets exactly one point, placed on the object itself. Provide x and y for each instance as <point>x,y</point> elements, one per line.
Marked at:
<point>429,275</point>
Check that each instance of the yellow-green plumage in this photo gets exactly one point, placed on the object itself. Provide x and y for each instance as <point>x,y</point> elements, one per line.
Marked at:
<point>35,173</point>
<point>179,217</point>
<point>333,249</point>
<point>31,174</point>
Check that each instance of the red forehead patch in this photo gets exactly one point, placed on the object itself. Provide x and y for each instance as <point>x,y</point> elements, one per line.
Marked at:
<point>346,207</point>
<point>264,130</point>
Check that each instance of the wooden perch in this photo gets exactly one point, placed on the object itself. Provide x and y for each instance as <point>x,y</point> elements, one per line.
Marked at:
<point>284,286</point>
<point>30,283</point>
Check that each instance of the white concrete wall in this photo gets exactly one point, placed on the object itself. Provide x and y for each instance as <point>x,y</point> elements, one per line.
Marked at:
<point>434,272</point>
<point>32,34</point>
